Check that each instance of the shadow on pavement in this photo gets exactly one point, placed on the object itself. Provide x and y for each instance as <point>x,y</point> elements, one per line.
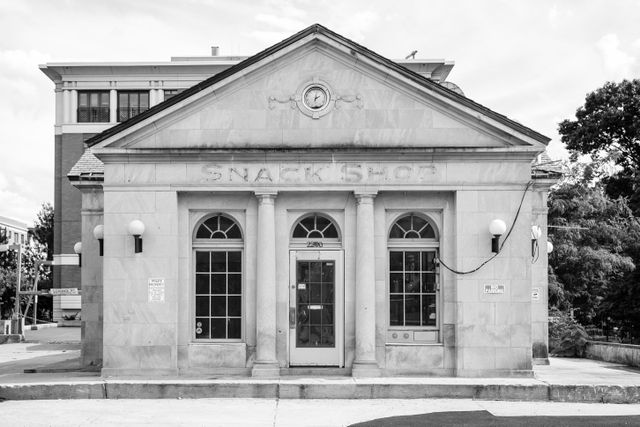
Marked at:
<point>485,418</point>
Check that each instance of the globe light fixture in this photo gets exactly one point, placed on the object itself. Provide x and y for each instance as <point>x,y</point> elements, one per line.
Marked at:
<point>536,232</point>
<point>136,229</point>
<point>98,233</point>
<point>549,247</point>
<point>497,228</point>
<point>77,248</point>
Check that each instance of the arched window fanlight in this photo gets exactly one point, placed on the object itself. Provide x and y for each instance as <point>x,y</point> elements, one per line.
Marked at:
<point>412,227</point>
<point>219,227</point>
<point>315,227</point>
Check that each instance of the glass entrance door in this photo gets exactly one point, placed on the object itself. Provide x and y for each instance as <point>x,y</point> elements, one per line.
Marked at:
<point>316,308</point>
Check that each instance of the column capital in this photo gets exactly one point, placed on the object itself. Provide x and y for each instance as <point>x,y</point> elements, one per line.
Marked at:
<point>365,196</point>
<point>265,196</point>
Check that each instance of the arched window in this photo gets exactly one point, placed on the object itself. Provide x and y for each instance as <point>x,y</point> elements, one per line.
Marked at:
<point>218,227</point>
<point>218,302</point>
<point>412,227</point>
<point>315,226</point>
<point>413,276</point>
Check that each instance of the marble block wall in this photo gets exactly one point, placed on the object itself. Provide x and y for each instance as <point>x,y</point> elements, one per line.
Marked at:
<point>540,282</point>
<point>140,335</point>
<point>91,275</point>
<point>493,331</point>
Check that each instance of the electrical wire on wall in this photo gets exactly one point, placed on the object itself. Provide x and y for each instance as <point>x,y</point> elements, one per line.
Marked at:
<point>504,241</point>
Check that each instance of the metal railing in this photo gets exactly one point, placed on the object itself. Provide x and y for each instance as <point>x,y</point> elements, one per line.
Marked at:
<point>125,113</point>
<point>93,114</point>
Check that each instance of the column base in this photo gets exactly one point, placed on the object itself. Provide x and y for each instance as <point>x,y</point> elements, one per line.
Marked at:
<point>365,370</point>
<point>265,370</point>
<point>540,360</point>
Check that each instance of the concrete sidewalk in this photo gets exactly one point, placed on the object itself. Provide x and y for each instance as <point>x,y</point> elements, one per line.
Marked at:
<point>56,374</point>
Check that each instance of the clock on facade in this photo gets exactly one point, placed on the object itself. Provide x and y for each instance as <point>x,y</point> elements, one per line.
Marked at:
<point>315,97</point>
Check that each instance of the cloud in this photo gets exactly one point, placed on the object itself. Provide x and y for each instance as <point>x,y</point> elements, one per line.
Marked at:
<point>617,63</point>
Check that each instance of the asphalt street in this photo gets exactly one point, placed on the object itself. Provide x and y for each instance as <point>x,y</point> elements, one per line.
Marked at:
<point>312,413</point>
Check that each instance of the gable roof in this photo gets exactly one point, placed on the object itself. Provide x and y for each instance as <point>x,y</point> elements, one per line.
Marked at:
<point>355,48</point>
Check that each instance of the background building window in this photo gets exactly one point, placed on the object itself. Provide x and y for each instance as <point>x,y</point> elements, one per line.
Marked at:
<point>218,280</point>
<point>170,93</point>
<point>132,103</point>
<point>93,106</point>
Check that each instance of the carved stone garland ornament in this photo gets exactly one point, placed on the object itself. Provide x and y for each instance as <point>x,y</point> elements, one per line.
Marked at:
<point>315,98</point>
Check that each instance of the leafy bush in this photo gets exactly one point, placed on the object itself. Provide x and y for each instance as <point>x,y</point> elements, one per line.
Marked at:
<point>567,338</point>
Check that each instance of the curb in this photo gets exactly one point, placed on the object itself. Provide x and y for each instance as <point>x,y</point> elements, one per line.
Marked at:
<point>11,338</point>
<point>109,389</point>
<point>41,326</point>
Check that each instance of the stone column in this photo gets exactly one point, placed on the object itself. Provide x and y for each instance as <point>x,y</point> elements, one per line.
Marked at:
<point>266,363</point>
<point>73,113</point>
<point>66,106</point>
<point>365,364</point>
<point>113,106</point>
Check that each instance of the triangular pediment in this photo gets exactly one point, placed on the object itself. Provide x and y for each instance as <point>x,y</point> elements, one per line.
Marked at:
<point>278,102</point>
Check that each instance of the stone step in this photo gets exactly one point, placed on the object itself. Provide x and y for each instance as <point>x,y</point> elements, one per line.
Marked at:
<point>325,388</point>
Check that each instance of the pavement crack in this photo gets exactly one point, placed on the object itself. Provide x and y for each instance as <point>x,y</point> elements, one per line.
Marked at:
<point>275,412</point>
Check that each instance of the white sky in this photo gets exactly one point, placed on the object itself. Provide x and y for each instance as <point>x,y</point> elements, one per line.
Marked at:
<point>532,61</point>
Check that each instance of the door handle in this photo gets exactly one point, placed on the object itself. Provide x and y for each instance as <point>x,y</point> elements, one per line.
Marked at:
<point>292,317</point>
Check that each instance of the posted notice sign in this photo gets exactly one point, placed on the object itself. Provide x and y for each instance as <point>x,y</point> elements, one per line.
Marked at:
<point>64,291</point>
<point>156,289</point>
<point>494,289</point>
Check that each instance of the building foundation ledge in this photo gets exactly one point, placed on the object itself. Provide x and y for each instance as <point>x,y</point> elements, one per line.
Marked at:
<point>265,370</point>
<point>540,360</point>
<point>366,369</point>
<point>114,372</point>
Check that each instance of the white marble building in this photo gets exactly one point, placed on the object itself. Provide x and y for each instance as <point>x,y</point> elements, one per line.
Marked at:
<point>300,209</point>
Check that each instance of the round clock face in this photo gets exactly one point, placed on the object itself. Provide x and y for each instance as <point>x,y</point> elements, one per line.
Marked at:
<point>316,98</point>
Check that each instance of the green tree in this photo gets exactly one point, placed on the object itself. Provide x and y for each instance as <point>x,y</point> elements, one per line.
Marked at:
<point>608,125</point>
<point>43,228</point>
<point>607,128</point>
<point>594,244</point>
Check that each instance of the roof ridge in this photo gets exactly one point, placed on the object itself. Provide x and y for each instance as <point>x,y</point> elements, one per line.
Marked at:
<point>315,29</point>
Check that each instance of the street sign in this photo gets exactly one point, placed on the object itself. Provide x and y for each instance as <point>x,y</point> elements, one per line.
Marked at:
<point>64,291</point>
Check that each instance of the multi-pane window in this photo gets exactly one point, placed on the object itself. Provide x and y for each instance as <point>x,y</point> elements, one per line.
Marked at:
<point>218,280</point>
<point>412,288</point>
<point>170,93</point>
<point>93,106</point>
<point>413,276</point>
<point>132,103</point>
<point>218,295</point>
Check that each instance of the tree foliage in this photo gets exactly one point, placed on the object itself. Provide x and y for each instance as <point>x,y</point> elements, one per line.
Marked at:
<point>43,228</point>
<point>608,125</point>
<point>37,250</point>
<point>596,268</point>
<point>594,246</point>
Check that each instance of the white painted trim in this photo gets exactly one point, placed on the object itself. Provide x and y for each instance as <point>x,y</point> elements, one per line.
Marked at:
<point>86,127</point>
<point>65,259</point>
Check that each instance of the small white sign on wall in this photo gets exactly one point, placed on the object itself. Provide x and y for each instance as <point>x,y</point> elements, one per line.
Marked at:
<point>494,289</point>
<point>156,289</point>
<point>535,294</point>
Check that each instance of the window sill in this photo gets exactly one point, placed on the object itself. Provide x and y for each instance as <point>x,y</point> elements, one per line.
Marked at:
<point>231,343</point>
<point>413,344</point>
